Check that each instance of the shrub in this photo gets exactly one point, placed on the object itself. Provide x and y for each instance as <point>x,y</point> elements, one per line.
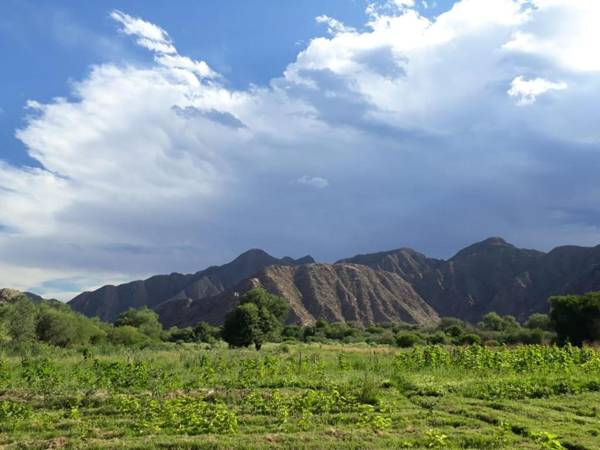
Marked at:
<point>576,318</point>
<point>455,330</point>
<point>66,329</point>
<point>369,392</point>
<point>525,336</point>
<point>469,339</point>
<point>406,340</point>
<point>144,319</point>
<point>539,321</point>
<point>437,338</point>
<point>126,335</point>
<point>494,322</point>
<point>204,332</point>
<point>176,334</point>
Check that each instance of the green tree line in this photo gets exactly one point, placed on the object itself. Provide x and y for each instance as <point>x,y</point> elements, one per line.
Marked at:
<point>261,317</point>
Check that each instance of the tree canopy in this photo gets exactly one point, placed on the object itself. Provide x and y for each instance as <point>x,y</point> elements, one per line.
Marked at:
<point>144,319</point>
<point>576,318</point>
<point>258,317</point>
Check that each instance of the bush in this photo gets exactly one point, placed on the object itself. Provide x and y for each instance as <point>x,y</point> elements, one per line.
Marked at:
<point>176,334</point>
<point>437,338</point>
<point>576,319</point>
<point>539,321</point>
<point>526,336</point>
<point>144,319</point>
<point>406,340</point>
<point>385,338</point>
<point>469,339</point>
<point>494,322</point>
<point>455,330</point>
<point>66,329</point>
<point>204,332</point>
<point>127,335</point>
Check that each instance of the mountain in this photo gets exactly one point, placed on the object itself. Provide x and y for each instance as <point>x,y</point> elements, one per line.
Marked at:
<point>336,292</point>
<point>398,285</point>
<point>406,262</point>
<point>10,295</point>
<point>493,275</point>
<point>109,301</point>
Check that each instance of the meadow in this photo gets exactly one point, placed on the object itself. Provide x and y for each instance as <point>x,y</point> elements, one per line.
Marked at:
<point>302,396</point>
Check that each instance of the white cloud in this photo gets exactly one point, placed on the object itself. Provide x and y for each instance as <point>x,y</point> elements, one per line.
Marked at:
<point>149,35</point>
<point>334,26</point>
<point>526,91</point>
<point>162,168</point>
<point>316,182</point>
<point>564,32</point>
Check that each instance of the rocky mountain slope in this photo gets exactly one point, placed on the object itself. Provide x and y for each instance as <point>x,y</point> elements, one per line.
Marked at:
<point>10,295</point>
<point>109,301</point>
<point>336,292</point>
<point>493,275</point>
<point>398,285</point>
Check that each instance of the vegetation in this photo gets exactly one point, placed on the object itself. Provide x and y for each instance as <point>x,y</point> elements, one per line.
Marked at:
<point>576,318</point>
<point>258,318</point>
<point>74,382</point>
<point>297,395</point>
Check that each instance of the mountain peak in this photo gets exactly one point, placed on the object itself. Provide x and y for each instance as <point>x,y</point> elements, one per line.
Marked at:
<point>252,253</point>
<point>494,240</point>
<point>489,244</point>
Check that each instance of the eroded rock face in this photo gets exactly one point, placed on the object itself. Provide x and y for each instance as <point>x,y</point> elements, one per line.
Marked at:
<point>109,301</point>
<point>399,285</point>
<point>494,275</point>
<point>8,295</point>
<point>336,292</point>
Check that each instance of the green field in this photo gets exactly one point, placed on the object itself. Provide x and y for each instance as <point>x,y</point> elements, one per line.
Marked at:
<point>303,396</point>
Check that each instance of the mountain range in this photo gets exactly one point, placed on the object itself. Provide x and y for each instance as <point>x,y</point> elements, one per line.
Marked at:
<point>400,285</point>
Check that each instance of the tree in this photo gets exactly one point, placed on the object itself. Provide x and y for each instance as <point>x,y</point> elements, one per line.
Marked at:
<point>452,326</point>
<point>126,335</point>
<point>176,334</point>
<point>242,327</point>
<point>494,322</point>
<point>204,332</point>
<point>539,321</point>
<point>406,340</point>
<point>469,339</point>
<point>144,319</point>
<point>257,318</point>
<point>22,319</point>
<point>64,328</point>
<point>576,318</point>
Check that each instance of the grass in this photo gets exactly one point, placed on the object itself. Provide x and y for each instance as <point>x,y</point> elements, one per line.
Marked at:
<point>303,396</point>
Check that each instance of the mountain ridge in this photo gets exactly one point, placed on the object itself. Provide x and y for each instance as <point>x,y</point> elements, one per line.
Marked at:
<point>490,275</point>
<point>109,301</point>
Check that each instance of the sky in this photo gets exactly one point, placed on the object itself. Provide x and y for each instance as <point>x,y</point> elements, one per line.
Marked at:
<point>140,137</point>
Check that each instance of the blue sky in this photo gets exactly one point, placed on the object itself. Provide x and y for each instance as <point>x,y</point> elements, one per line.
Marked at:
<point>139,137</point>
<point>49,43</point>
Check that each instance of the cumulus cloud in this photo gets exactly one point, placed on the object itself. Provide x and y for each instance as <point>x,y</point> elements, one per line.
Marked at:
<point>526,91</point>
<point>148,169</point>
<point>563,32</point>
<point>334,26</point>
<point>149,35</point>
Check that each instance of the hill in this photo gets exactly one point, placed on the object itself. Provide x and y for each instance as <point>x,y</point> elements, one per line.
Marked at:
<point>393,286</point>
